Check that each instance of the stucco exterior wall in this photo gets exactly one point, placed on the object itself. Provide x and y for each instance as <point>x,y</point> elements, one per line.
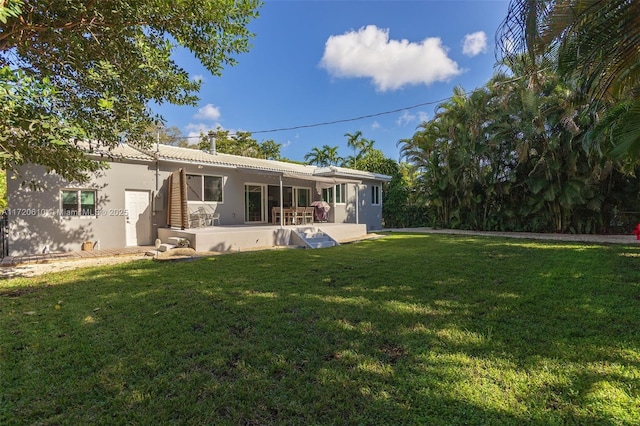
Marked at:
<point>35,222</point>
<point>368,213</point>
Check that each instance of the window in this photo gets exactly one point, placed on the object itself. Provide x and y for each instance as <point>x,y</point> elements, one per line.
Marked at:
<point>303,197</point>
<point>204,188</point>
<point>327,195</point>
<point>341,193</point>
<point>375,195</point>
<point>78,202</point>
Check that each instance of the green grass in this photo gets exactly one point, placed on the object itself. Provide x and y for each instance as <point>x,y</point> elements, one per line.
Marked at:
<point>408,329</point>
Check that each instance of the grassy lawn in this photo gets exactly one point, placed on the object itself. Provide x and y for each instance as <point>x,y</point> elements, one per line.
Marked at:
<point>408,329</point>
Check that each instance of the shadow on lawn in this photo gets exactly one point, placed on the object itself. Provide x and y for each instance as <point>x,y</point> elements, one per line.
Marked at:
<point>396,331</point>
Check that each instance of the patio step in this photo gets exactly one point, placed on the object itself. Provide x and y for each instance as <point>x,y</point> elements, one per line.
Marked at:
<point>323,244</point>
<point>165,247</point>
<point>315,238</point>
<point>314,234</point>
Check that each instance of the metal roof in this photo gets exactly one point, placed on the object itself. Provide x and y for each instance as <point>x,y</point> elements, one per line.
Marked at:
<point>186,155</point>
<point>195,156</point>
<point>120,151</point>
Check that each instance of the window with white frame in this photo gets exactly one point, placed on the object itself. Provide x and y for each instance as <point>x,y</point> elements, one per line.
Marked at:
<point>375,195</point>
<point>78,202</point>
<point>204,188</point>
<point>341,193</point>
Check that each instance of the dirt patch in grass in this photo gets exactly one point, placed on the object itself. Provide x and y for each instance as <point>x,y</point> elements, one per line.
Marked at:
<point>28,270</point>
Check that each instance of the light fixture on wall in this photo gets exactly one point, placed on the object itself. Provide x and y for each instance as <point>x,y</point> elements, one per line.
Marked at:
<point>199,166</point>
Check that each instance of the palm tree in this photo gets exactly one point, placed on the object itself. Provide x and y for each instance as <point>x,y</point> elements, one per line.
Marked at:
<point>357,142</point>
<point>595,43</point>
<point>317,156</point>
<point>323,157</point>
<point>332,156</point>
<point>366,147</point>
<point>509,156</point>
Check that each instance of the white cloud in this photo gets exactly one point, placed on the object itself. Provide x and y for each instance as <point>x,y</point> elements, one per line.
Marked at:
<point>391,64</point>
<point>375,125</point>
<point>208,112</point>
<point>205,119</point>
<point>407,118</point>
<point>194,129</point>
<point>474,44</point>
<point>197,77</point>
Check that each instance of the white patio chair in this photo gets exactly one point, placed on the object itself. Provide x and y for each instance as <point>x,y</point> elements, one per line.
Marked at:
<point>195,220</point>
<point>207,217</point>
<point>308,215</point>
<point>299,218</point>
<point>276,215</point>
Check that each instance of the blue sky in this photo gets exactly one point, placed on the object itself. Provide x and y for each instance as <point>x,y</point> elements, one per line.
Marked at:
<point>321,61</point>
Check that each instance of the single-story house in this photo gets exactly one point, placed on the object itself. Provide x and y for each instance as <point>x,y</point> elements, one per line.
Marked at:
<point>216,201</point>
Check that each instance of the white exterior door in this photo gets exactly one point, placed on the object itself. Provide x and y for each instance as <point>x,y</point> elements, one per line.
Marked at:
<point>138,227</point>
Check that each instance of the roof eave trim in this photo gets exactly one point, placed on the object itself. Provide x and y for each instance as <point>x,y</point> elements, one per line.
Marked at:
<point>361,176</point>
<point>105,156</point>
<point>196,163</point>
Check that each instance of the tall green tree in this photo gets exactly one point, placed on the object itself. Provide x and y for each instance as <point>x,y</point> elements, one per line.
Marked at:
<point>595,44</point>
<point>3,190</point>
<point>87,70</point>
<point>511,155</point>
<point>323,157</point>
<point>270,150</point>
<point>359,145</point>
<point>240,143</point>
<point>166,135</point>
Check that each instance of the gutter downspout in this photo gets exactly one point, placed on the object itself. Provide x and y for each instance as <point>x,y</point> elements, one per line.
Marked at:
<point>157,165</point>
<point>155,196</point>
<point>281,201</point>
<point>357,204</point>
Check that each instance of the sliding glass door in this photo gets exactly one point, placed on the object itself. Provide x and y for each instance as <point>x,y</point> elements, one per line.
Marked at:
<point>254,205</point>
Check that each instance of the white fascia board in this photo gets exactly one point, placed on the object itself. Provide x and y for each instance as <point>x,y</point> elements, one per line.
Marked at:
<point>346,173</point>
<point>195,163</point>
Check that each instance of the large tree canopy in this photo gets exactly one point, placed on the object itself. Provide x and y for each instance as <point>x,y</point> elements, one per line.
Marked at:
<point>595,44</point>
<point>87,70</point>
<point>240,143</point>
<point>596,41</point>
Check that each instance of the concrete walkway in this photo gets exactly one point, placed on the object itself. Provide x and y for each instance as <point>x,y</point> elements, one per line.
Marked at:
<point>584,238</point>
<point>10,261</point>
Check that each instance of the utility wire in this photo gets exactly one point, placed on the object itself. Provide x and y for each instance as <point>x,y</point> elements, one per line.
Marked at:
<point>346,120</point>
<point>362,117</point>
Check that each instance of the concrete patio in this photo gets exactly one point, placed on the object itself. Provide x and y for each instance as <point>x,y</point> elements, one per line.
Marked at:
<point>242,237</point>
